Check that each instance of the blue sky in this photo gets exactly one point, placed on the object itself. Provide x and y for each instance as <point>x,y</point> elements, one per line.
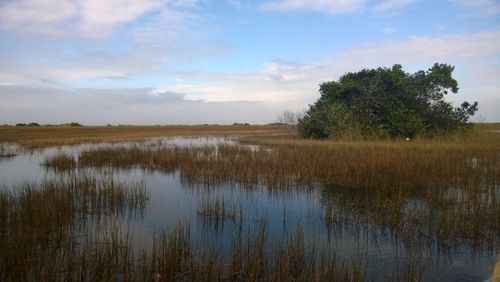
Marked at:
<point>207,61</point>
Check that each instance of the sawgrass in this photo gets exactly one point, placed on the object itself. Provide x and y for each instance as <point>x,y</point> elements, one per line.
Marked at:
<point>42,225</point>
<point>45,136</point>
<point>66,230</point>
<point>436,192</point>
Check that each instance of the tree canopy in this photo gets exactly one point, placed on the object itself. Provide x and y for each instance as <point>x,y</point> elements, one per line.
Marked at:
<point>387,102</point>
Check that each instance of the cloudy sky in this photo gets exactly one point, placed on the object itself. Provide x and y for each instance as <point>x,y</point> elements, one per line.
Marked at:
<point>224,61</point>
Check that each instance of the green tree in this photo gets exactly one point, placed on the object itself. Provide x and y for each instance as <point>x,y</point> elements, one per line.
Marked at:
<point>387,102</point>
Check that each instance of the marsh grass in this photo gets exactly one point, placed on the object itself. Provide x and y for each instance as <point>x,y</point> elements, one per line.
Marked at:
<point>7,150</point>
<point>440,192</point>
<point>51,242</point>
<point>433,195</point>
<point>46,136</point>
<point>41,224</point>
<point>61,161</point>
<point>72,229</point>
<point>215,212</point>
<point>174,257</point>
<point>285,164</point>
<point>216,209</point>
<point>291,259</point>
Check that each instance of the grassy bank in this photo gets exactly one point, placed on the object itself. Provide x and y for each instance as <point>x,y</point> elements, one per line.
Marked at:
<point>36,137</point>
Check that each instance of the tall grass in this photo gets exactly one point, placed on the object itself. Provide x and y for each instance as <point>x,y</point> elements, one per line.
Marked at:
<point>41,224</point>
<point>174,257</point>
<point>61,161</point>
<point>408,166</point>
<point>216,210</point>
<point>7,150</point>
<point>45,136</point>
<point>434,195</point>
<point>48,233</point>
<point>438,192</point>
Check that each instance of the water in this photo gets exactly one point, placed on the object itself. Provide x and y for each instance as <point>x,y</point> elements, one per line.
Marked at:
<point>171,202</point>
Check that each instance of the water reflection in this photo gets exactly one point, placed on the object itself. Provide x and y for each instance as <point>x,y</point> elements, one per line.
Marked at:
<point>390,237</point>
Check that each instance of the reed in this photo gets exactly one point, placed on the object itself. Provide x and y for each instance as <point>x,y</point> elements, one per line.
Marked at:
<point>307,163</point>
<point>7,150</point>
<point>52,242</point>
<point>61,161</point>
<point>46,136</point>
<point>68,229</point>
<point>216,210</point>
<point>41,224</point>
<point>440,192</point>
<point>435,196</point>
<point>290,260</point>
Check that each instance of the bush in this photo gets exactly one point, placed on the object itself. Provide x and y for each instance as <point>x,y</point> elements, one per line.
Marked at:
<point>387,102</point>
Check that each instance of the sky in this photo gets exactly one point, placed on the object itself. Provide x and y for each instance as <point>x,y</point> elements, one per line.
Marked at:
<point>224,61</point>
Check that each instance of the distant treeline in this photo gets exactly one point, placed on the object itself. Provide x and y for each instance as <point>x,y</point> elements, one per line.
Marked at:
<point>37,124</point>
<point>34,124</point>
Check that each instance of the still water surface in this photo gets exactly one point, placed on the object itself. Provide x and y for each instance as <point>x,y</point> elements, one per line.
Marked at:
<point>171,201</point>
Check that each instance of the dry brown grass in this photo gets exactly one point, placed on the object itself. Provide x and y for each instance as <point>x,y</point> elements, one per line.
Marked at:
<point>216,209</point>
<point>43,227</point>
<point>293,163</point>
<point>174,257</point>
<point>36,137</point>
<point>60,161</point>
<point>453,183</point>
<point>45,236</point>
<point>488,126</point>
<point>436,194</point>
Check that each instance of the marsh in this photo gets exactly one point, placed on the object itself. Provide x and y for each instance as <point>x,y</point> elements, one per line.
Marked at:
<point>243,208</point>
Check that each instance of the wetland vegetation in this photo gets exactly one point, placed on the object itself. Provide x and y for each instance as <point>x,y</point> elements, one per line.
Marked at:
<point>388,102</point>
<point>40,137</point>
<point>251,207</point>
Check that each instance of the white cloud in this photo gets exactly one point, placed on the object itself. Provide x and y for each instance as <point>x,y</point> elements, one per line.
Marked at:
<point>81,18</point>
<point>146,56</point>
<point>334,6</point>
<point>479,7</point>
<point>439,27</point>
<point>289,85</point>
<point>328,6</point>
<point>388,5</point>
<point>431,48</point>
<point>121,106</point>
<point>278,83</point>
<point>237,4</point>
<point>101,17</point>
<point>36,11</point>
<point>211,97</point>
<point>41,17</point>
<point>389,30</point>
<point>169,34</point>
